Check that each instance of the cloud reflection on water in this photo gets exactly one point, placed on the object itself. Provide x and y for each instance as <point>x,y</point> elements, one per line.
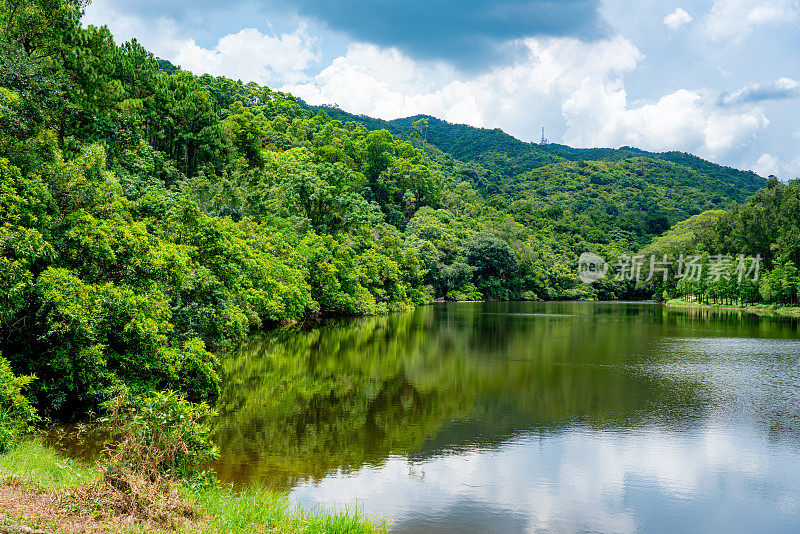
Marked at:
<point>710,479</point>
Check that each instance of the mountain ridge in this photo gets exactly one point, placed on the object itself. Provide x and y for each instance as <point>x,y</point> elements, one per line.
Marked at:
<point>478,145</point>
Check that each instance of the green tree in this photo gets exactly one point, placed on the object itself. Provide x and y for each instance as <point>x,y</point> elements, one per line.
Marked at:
<point>16,413</point>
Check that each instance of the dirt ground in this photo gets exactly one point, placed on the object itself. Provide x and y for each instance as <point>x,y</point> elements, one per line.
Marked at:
<point>24,509</point>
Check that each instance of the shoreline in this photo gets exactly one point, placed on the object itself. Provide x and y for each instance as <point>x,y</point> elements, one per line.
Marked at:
<point>785,311</point>
<point>45,492</point>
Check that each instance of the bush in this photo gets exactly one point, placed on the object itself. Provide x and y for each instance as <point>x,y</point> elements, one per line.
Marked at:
<point>16,413</point>
<point>157,443</point>
<point>160,436</point>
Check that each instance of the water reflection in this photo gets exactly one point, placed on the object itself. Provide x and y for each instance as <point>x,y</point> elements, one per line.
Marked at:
<point>648,480</point>
<point>513,417</point>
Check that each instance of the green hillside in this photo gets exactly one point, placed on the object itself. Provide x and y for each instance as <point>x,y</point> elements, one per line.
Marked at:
<point>501,157</point>
<point>613,197</point>
<point>149,216</point>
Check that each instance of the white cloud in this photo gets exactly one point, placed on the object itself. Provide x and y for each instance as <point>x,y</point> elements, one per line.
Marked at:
<point>160,35</point>
<point>683,120</point>
<point>767,165</point>
<point>785,167</point>
<point>792,170</point>
<point>576,83</point>
<point>677,18</point>
<point>250,55</point>
<point>733,20</point>
<point>756,92</point>
<point>789,167</point>
<point>387,84</point>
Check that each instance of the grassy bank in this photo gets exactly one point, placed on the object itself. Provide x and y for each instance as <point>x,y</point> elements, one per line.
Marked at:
<point>48,493</point>
<point>751,308</point>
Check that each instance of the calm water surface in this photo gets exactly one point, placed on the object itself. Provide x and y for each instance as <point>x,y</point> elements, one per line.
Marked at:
<point>523,417</point>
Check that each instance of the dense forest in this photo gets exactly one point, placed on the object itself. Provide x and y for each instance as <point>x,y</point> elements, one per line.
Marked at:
<point>151,216</point>
<point>763,234</point>
<point>492,158</point>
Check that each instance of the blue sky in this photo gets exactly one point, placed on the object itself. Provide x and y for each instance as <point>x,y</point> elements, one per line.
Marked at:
<point>718,78</point>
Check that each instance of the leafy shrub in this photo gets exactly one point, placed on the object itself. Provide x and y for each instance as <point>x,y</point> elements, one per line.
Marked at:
<point>160,435</point>
<point>16,414</point>
<point>157,443</point>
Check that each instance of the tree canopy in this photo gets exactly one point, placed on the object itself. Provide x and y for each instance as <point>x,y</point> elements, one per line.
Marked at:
<point>149,216</point>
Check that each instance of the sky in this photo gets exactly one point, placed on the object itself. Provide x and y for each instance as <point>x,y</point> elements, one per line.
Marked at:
<point>716,78</point>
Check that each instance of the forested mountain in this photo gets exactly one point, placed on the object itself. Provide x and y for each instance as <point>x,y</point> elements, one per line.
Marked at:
<point>607,200</point>
<point>149,215</point>
<point>502,156</point>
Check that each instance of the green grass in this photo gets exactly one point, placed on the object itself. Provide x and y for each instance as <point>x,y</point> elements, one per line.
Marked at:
<point>33,462</point>
<point>754,308</point>
<point>235,511</point>
<point>224,509</point>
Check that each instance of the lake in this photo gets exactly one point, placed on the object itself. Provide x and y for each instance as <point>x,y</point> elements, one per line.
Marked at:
<point>523,417</point>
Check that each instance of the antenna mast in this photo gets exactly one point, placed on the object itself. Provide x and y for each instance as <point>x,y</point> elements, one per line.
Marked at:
<point>544,139</point>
